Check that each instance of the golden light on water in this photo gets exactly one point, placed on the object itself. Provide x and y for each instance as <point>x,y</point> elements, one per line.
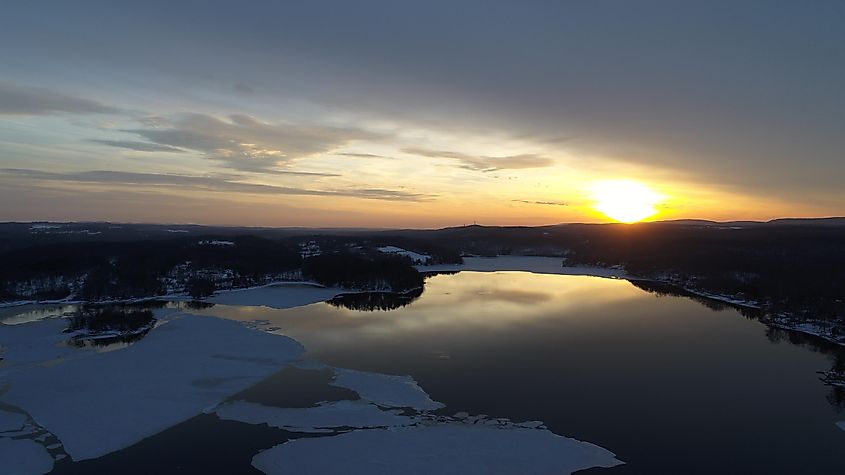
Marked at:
<point>626,201</point>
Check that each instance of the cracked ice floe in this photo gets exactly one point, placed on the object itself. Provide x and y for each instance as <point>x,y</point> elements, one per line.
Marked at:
<point>454,448</point>
<point>280,296</point>
<point>112,400</point>
<point>11,421</point>
<point>385,390</point>
<point>325,417</point>
<point>24,457</point>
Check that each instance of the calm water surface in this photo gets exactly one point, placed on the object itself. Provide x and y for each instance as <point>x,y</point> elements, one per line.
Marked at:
<point>668,384</point>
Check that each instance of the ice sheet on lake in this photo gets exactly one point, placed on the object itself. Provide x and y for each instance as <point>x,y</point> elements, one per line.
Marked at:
<point>443,449</point>
<point>322,418</point>
<point>278,296</point>
<point>385,390</point>
<point>11,421</point>
<point>112,400</point>
<point>33,343</point>
<point>23,457</point>
<point>537,265</point>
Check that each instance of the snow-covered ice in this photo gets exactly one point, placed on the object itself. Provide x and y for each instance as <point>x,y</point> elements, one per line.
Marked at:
<point>385,390</point>
<point>322,418</point>
<point>443,449</point>
<point>11,421</point>
<point>112,400</point>
<point>191,364</point>
<point>278,295</point>
<point>535,264</point>
<point>23,457</point>
<point>34,343</point>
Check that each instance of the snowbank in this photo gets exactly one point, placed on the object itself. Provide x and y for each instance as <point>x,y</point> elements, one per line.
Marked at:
<point>385,390</point>
<point>537,265</point>
<point>443,449</point>
<point>23,457</point>
<point>112,400</point>
<point>323,418</point>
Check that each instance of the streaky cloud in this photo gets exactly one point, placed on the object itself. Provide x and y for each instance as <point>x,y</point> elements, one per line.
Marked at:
<point>210,183</point>
<point>138,146</point>
<point>245,143</point>
<point>548,203</point>
<point>361,155</point>
<point>486,163</point>
<point>26,100</point>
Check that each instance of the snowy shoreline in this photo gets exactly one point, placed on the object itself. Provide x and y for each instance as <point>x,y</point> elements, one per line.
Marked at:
<point>533,264</point>
<point>175,296</point>
<point>553,265</point>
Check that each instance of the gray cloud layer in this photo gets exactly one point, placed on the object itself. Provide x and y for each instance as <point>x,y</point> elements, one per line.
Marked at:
<point>210,183</point>
<point>22,100</point>
<point>243,142</point>
<point>486,163</point>
<point>743,94</point>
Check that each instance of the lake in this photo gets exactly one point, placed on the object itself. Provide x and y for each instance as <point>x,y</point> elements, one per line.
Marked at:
<point>666,383</point>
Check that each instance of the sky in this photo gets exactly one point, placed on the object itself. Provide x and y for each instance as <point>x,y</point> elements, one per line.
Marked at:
<point>419,114</point>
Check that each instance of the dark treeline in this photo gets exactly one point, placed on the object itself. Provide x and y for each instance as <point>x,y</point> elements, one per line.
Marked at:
<point>122,270</point>
<point>662,289</point>
<point>102,319</point>
<point>97,271</point>
<point>371,301</point>
<point>786,268</point>
<point>371,271</point>
<point>795,267</point>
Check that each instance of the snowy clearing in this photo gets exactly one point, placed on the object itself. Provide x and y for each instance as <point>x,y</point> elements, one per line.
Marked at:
<point>416,257</point>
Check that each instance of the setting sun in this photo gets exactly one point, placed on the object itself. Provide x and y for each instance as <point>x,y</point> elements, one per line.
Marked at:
<point>625,200</point>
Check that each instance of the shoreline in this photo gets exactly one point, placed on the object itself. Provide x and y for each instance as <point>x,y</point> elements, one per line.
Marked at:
<point>531,264</point>
<point>175,296</point>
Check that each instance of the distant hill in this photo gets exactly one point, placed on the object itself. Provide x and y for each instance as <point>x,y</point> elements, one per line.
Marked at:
<point>832,221</point>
